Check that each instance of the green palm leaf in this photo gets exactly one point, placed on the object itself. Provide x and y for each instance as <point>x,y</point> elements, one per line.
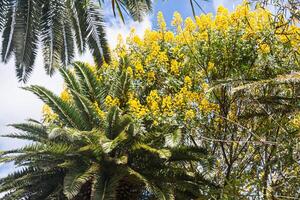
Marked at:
<point>137,8</point>
<point>8,33</point>
<point>52,35</point>
<point>76,178</point>
<point>67,113</point>
<point>67,53</point>
<point>25,37</point>
<point>3,9</point>
<point>96,36</point>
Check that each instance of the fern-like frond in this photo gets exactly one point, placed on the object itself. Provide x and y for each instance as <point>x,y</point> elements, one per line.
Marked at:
<point>105,187</point>
<point>96,37</point>
<point>26,37</point>
<point>75,10</point>
<point>8,32</point>
<point>137,8</point>
<point>32,128</point>
<point>149,185</point>
<point>52,35</point>
<point>76,178</point>
<point>4,4</point>
<point>67,52</point>
<point>67,113</point>
<point>88,81</point>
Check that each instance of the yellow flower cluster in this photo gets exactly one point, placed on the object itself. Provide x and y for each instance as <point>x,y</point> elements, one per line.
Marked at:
<point>167,106</point>
<point>189,114</point>
<point>48,114</point>
<point>265,48</point>
<point>161,21</point>
<point>153,102</point>
<point>172,73</point>
<point>110,101</point>
<point>100,112</point>
<point>136,108</point>
<point>174,67</point>
<point>65,95</point>
<point>295,122</point>
<point>188,82</point>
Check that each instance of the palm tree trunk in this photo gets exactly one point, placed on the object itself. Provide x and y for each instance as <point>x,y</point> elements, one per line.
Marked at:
<point>85,192</point>
<point>129,189</point>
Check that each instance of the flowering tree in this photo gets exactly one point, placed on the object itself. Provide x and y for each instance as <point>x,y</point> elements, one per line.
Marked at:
<point>228,84</point>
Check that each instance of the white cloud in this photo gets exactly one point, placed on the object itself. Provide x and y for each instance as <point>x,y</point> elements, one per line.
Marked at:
<point>116,28</point>
<point>230,4</point>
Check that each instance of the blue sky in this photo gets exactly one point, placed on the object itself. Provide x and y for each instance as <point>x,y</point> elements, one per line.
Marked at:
<point>17,105</point>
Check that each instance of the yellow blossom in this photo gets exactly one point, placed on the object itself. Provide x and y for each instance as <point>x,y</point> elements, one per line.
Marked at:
<point>162,58</point>
<point>48,114</point>
<point>174,67</point>
<point>153,102</point>
<point>188,81</point>
<point>203,35</point>
<point>204,22</point>
<point>110,101</point>
<point>189,24</point>
<point>179,100</point>
<point>222,18</point>
<point>151,76</point>
<point>161,21</point>
<point>210,66</point>
<point>167,105</point>
<point>137,40</point>
<point>100,112</point>
<point>139,68</point>
<point>206,107</point>
<point>189,114</point>
<point>129,71</point>
<point>136,108</point>
<point>265,48</point>
<point>177,21</point>
<point>155,123</point>
<point>169,36</point>
<point>65,95</point>
<point>295,122</point>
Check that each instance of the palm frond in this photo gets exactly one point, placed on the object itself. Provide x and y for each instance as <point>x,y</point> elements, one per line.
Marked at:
<point>75,11</point>
<point>115,123</point>
<point>67,52</point>
<point>25,37</point>
<point>174,138</point>
<point>88,110</point>
<point>66,112</point>
<point>162,153</point>
<point>51,34</point>
<point>88,81</point>
<point>187,153</point>
<point>95,34</point>
<point>32,128</point>
<point>8,33</point>
<point>75,179</point>
<point>105,187</point>
<point>121,86</point>
<point>137,8</point>
<point>4,4</point>
<point>70,80</point>
<point>149,185</point>
<point>110,145</point>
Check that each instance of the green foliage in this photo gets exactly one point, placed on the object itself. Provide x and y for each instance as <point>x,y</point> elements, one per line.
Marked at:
<point>81,154</point>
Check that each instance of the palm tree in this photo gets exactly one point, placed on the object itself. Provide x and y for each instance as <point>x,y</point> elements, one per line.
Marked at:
<point>81,154</point>
<point>53,24</point>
